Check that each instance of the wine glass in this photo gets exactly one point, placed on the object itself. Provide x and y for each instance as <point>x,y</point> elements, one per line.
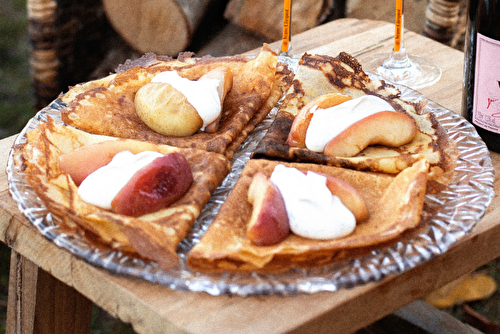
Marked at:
<point>399,67</point>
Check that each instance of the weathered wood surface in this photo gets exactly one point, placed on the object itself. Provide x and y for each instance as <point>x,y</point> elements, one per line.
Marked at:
<point>157,309</point>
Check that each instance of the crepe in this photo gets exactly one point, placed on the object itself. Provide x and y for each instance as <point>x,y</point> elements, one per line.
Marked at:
<point>318,75</point>
<point>153,236</point>
<point>395,205</point>
<point>107,107</point>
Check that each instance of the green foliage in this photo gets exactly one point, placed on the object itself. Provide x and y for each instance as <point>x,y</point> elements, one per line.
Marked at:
<point>16,95</point>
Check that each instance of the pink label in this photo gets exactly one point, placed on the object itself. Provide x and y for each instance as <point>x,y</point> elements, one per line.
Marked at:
<point>486,109</point>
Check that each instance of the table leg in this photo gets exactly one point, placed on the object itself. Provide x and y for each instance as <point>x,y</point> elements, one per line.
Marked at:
<point>39,303</point>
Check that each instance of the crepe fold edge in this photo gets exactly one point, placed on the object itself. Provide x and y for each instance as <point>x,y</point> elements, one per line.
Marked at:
<point>152,237</point>
<point>225,247</point>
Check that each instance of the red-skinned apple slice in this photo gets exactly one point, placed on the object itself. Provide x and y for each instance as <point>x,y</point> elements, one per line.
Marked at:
<point>155,186</point>
<point>268,224</point>
<point>348,195</point>
<point>297,135</point>
<point>386,128</point>
<point>87,159</point>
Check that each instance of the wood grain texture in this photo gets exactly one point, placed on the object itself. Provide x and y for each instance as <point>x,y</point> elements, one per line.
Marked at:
<point>157,309</point>
<point>161,26</point>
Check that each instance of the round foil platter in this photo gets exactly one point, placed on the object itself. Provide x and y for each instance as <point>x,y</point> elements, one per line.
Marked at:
<point>449,215</point>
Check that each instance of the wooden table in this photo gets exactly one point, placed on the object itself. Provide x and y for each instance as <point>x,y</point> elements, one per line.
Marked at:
<point>157,309</point>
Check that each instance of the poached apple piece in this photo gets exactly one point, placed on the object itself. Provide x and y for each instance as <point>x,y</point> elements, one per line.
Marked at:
<point>268,223</point>
<point>174,106</point>
<point>155,186</point>
<point>153,236</point>
<point>270,220</point>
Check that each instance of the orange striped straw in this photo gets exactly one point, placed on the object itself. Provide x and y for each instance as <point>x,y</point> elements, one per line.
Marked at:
<point>398,25</point>
<point>287,20</point>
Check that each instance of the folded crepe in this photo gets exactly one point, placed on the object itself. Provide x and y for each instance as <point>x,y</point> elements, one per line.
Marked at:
<point>153,236</point>
<point>106,106</point>
<point>395,205</point>
<point>318,75</point>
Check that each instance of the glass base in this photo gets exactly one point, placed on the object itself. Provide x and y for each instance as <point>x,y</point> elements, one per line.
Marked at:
<point>415,72</point>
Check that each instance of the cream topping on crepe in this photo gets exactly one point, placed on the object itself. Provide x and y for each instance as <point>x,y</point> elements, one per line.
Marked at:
<point>328,123</point>
<point>312,210</point>
<point>101,186</point>
<point>201,94</point>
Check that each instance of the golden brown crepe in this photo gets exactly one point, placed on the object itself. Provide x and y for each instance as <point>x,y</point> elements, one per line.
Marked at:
<point>107,106</point>
<point>318,75</point>
<point>395,205</point>
<point>154,236</point>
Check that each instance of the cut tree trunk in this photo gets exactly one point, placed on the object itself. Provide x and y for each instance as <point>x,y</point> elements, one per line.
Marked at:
<point>265,17</point>
<point>161,26</point>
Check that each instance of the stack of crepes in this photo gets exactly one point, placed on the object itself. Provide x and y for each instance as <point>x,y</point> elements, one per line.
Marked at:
<point>393,181</point>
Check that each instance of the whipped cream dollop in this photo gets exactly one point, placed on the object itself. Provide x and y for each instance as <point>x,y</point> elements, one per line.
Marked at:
<point>328,123</point>
<point>101,186</point>
<point>312,210</point>
<point>201,94</point>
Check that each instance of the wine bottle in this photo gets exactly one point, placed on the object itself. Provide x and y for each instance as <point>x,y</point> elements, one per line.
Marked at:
<point>481,84</point>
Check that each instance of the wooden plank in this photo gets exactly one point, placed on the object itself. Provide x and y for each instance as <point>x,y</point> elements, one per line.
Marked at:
<point>39,303</point>
<point>22,295</point>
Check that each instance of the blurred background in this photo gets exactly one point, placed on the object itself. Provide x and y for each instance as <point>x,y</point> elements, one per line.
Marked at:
<point>91,44</point>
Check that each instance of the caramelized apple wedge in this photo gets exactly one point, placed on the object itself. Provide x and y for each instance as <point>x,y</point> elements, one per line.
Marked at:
<point>155,186</point>
<point>268,224</point>
<point>349,196</point>
<point>386,128</point>
<point>297,134</point>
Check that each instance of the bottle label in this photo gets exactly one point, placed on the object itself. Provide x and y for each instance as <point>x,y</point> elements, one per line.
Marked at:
<point>486,106</point>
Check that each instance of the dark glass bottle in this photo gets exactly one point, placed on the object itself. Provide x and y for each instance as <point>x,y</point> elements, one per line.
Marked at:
<point>481,90</point>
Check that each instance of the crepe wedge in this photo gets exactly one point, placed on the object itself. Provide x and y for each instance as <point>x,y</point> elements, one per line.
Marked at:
<point>154,236</point>
<point>395,205</point>
<point>318,75</point>
<point>106,106</point>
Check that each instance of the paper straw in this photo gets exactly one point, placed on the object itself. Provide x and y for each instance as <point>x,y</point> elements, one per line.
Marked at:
<point>398,25</point>
<point>287,20</point>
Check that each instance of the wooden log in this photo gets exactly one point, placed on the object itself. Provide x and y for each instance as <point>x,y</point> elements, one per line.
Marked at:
<point>441,19</point>
<point>265,17</point>
<point>160,26</point>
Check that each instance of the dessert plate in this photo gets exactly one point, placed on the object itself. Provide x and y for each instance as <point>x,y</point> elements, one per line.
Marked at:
<point>449,214</point>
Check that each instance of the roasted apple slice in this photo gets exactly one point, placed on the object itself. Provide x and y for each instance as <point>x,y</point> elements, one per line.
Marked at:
<point>297,135</point>
<point>268,224</point>
<point>83,161</point>
<point>349,196</point>
<point>155,186</point>
<point>386,128</point>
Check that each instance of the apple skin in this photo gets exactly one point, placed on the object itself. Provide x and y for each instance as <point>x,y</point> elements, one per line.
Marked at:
<point>386,128</point>
<point>83,161</point>
<point>297,134</point>
<point>155,186</point>
<point>349,196</point>
<point>268,224</point>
